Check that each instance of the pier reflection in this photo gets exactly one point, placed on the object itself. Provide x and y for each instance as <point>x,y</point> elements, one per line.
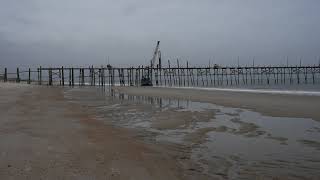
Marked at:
<point>159,102</point>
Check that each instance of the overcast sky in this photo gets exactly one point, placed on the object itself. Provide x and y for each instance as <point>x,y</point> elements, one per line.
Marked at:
<point>83,32</point>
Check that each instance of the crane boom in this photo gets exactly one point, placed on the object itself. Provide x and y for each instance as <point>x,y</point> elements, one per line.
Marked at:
<point>147,78</point>
<point>155,54</point>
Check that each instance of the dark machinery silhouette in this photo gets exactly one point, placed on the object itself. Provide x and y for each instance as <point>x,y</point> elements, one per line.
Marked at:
<point>146,79</point>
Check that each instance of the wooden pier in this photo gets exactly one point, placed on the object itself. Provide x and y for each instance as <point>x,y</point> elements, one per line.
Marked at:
<point>168,76</point>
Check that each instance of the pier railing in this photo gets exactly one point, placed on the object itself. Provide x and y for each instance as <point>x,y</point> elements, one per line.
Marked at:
<point>168,76</point>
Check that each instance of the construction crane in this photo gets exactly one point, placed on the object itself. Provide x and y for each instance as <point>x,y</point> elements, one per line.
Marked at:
<point>147,78</point>
<point>156,53</point>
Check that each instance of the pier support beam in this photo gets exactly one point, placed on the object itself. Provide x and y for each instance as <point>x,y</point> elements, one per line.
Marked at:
<point>50,76</point>
<point>70,79</point>
<point>18,76</point>
<point>62,76</point>
<point>72,76</point>
<point>29,76</point>
<point>5,78</point>
<point>40,75</point>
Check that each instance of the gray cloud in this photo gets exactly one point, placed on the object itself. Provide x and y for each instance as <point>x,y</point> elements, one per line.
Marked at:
<point>71,32</point>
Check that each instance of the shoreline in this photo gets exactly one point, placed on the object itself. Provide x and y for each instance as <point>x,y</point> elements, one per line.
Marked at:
<point>280,105</point>
<point>45,136</point>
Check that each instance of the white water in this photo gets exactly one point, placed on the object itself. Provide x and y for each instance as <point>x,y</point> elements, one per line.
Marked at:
<point>265,91</point>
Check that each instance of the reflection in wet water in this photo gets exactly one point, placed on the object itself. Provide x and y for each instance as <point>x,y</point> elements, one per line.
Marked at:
<point>163,103</point>
<point>226,142</point>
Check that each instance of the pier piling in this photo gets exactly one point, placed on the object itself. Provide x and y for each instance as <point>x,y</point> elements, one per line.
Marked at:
<point>180,76</point>
<point>18,76</point>
<point>5,76</point>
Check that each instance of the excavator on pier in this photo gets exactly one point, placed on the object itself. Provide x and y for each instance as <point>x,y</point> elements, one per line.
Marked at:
<point>146,79</point>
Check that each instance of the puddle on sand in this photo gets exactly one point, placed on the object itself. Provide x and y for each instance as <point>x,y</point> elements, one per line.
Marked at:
<point>226,142</point>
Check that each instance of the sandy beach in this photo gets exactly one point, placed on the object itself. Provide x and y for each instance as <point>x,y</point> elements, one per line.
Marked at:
<point>45,137</point>
<point>156,133</point>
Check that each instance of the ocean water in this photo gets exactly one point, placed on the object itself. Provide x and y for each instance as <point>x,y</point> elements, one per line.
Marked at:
<point>299,82</point>
<point>302,86</point>
<point>306,91</point>
<point>284,86</point>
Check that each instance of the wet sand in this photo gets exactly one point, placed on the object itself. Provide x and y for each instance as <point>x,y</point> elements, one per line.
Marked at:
<point>230,141</point>
<point>43,136</point>
<point>155,133</point>
<point>268,104</point>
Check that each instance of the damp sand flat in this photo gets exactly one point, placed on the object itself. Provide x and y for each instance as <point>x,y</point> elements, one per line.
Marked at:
<point>166,135</point>
<point>225,142</point>
<point>284,105</point>
<point>44,136</point>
